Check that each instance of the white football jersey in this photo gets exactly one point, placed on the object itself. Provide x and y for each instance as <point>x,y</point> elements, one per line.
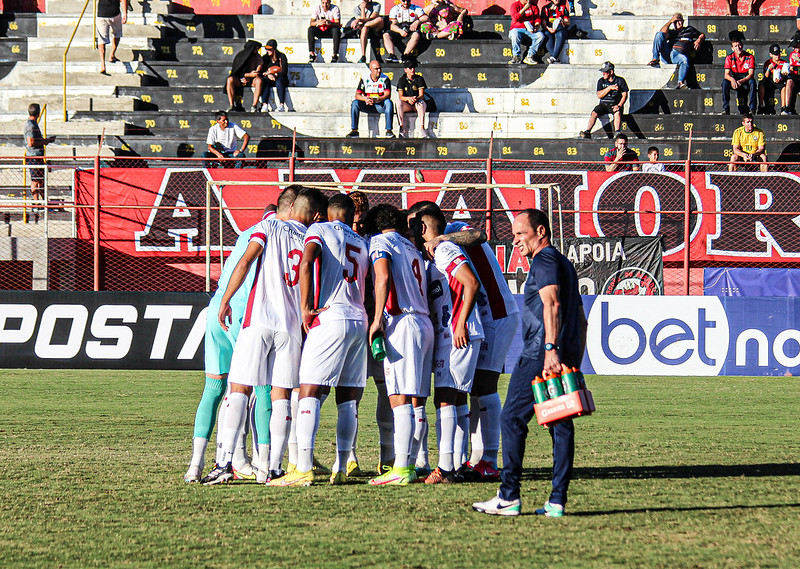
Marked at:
<point>344,263</point>
<point>501,301</point>
<point>409,289</point>
<point>445,294</point>
<point>274,301</point>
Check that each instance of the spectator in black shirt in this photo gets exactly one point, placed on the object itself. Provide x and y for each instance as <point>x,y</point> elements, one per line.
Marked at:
<point>278,78</point>
<point>411,92</point>
<point>676,43</point>
<point>612,92</point>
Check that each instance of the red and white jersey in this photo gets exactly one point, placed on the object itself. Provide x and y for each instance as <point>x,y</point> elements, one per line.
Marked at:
<point>445,294</point>
<point>344,263</point>
<point>274,300</point>
<point>501,301</point>
<point>409,289</point>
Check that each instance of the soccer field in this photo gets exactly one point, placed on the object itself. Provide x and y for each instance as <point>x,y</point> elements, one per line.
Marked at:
<point>670,472</point>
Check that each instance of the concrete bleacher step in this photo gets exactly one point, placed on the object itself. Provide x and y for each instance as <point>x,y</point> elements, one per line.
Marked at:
<point>13,125</point>
<point>16,25</point>
<point>52,50</point>
<point>64,146</point>
<point>13,49</point>
<point>80,73</point>
<point>189,124</point>
<point>75,103</point>
<point>70,7</point>
<point>139,25</point>
<point>767,29</point>
<point>206,26</point>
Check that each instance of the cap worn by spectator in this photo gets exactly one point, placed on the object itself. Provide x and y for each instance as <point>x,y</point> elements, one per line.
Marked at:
<point>607,66</point>
<point>775,49</point>
<point>272,43</point>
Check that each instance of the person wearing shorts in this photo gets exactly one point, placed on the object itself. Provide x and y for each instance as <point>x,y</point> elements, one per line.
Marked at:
<point>34,151</point>
<point>267,350</point>
<point>111,14</point>
<point>612,90</point>
<point>453,289</point>
<point>335,351</point>
<point>402,318</point>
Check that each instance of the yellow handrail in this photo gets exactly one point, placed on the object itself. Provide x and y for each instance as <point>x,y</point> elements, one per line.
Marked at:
<point>64,60</point>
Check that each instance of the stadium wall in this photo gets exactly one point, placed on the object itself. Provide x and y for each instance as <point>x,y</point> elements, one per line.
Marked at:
<point>671,336</point>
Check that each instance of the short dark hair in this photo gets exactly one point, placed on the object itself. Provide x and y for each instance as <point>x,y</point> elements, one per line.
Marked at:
<point>747,115</point>
<point>287,197</point>
<point>360,200</point>
<point>34,110</point>
<point>384,216</point>
<point>419,206</point>
<point>439,220</point>
<point>344,203</point>
<point>537,218</point>
<point>221,114</point>
<point>621,136</point>
<point>316,199</point>
<point>652,149</point>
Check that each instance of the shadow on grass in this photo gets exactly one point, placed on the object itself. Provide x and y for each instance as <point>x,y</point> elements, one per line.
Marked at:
<point>686,509</point>
<point>693,471</point>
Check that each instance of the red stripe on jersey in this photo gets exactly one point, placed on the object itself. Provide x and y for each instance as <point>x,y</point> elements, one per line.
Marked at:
<point>261,236</point>
<point>483,266</point>
<point>392,306</point>
<point>456,299</point>
<point>317,278</point>
<point>313,239</point>
<point>454,264</point>
<point>251,298</point>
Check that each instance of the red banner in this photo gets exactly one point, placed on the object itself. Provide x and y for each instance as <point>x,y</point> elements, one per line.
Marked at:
<point>223,7</point>
<point>740,217</point>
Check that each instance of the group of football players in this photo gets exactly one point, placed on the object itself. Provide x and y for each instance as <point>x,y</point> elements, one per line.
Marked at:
<point>303,296</point>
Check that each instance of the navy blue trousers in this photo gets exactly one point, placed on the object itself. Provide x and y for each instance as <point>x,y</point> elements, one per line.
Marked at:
<point>517,413</point>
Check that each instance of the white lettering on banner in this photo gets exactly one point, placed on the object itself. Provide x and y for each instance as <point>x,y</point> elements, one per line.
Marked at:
<point>26,314</point>
<point>586,286</point>
<point>656,229</point>
<point>195,337</point>
<point>779,348</point>
<point>763,199</point>
<point>102,330</point>
<point>635,337</point>
<point>166,315</point>
<point>77,314</point>
<point>597,252</point>
<point>762,343</point>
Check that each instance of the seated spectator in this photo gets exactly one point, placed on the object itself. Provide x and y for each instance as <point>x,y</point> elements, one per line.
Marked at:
<point>555,22</point>
<point>776,75</point>
<point>368,22</point>
<point>793,82</point>
<point>676,43</point>
<point>525,24</point>
<point>404,23</point>
<point>621,157</point>
<point>246,72</point>
<point>653,166</point>
<point>444,20</point>
<point>222,139</point>
<point>326,22</point>
<point>373,95</point>
<point>411,92</point>
<point>748,144</point>
<point>276,74</point>
<point>740,69</point>
<point>612,91</point>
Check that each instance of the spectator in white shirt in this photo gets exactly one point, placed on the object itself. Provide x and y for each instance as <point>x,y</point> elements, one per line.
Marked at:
<point>222,140</point>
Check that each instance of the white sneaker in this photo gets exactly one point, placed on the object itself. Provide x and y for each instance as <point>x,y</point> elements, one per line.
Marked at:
<point>281,109</point>
<point>530,61</point>
<point>194,474</point>
<point>262,476</point>
<point>423,133</point>
<point>498,507</point>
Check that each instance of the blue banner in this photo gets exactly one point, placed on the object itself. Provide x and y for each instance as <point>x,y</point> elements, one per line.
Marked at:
<point>751,282</point>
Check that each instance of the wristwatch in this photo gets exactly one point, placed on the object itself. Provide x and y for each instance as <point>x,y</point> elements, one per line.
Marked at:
<point>548,347</point>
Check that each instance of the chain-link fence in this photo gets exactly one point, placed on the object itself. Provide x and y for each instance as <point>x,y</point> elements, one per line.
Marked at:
<point>152,224</point>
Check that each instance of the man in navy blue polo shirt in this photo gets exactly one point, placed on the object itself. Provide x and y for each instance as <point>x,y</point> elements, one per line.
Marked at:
<point>554,331</point>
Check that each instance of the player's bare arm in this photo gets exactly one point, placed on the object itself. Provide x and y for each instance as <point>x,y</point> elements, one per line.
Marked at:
<point>311,253</point>
<point>551,312</point>
<point>464,238</point>
<point>252,252</point>
<point>382,270</point>
<point>469,281</point>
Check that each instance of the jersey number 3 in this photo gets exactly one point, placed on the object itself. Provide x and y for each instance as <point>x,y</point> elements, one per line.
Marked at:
<point>293,276</point>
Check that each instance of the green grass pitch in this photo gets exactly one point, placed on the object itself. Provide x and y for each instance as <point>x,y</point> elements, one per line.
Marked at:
<point>670,472</point>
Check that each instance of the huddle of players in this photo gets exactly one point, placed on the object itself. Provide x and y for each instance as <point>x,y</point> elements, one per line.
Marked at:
<point>449,313</point>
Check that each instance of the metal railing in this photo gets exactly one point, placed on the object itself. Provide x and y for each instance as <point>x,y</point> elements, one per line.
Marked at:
<point>69,44</point>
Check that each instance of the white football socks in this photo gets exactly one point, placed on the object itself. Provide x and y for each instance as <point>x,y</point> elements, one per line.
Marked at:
<point>279,427</point>
<point>293,428</point>
<point>235,416</point>
<point>346,429</point>
<point>445,434</point>
<point>307,424</point>
<point>491,408</point>
<point>199,445</point>
<point>419,448</point>
<point>461,438</point>
<point>475,434</point>
<point>403,434</point>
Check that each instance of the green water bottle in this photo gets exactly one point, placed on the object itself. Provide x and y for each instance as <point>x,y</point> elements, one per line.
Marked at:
<point>539,390</point>
<point>569,379</point>
<point>553,385</point>
<point>378,348</point>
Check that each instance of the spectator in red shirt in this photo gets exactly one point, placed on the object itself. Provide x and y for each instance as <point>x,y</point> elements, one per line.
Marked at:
<point>776,74</point>
<point>555,21</point>
<point>740,69</point>
<point>621,157</point>
<point>793,82</point>
<point>525,24</point>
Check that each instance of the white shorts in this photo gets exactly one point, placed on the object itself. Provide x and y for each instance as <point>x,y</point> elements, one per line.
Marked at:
<point>497,339</point>
<point>265,357</point>
<point>455,368</point>
<point>108,26</point>
<point>335,354</point>
<point>409,355</point>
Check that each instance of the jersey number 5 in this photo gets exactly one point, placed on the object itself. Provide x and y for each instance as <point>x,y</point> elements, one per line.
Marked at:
<point>350,251</point>
<point>293,275</point>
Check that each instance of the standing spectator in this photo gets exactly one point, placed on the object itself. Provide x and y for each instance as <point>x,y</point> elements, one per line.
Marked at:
<point>754,10</point>
<point>111,14</point>
<point>740,69</point>
<point>34,150</point>
<point>554,331</point>
<point>621,157</point>
<point>748,144</point>
<point>653,166</point>
<point>525,23</point>
<point>276,74</point>
<point>612,91</point>
<point>776,75</point>
<point>411,92</point>
<point>675,43</point>
<point>246,72</point>
<point>555,21</point>
<point>222,139</point>
<point>404,23</point>
<point>373,95</point>
<point>326,22</point>
<point>367,21</point>
<point>445,20</point>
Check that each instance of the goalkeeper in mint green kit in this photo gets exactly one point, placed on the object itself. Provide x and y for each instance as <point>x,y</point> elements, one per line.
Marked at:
<point>219,349</point>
